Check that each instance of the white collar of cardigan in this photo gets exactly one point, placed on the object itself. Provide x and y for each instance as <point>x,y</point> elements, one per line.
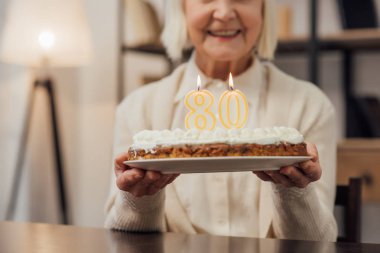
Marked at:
<point>248,82</point>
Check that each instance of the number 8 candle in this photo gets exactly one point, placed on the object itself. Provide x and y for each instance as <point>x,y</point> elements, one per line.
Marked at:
<point>199,103</point>
<point>233,107</point>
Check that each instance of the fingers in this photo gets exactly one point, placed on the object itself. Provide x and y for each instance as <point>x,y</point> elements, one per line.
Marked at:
<point>312,151</point>
<point>291,176</point>
<point>167,179</point>
<point>158,184</point>
<point>140,182</point>
<point>275,177</point>
<point>146,185</point>
<point>119,165</point>
<point>127,179</point>
<point>278,178</point>
<point>174,176</point>
<point>162,182</point>
<point>297,177</point>
<point>262,175</point>
<point>311,168</point>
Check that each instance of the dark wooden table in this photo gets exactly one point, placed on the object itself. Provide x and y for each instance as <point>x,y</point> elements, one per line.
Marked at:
<point>31,237</point>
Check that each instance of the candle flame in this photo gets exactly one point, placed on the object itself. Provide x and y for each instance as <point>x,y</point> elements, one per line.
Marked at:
<point>231,82</point>
<point>199,83</point>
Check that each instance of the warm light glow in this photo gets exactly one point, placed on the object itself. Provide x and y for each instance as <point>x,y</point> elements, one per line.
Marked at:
<point>39,32</point>
<point>46,39</point>
<point>198,83</point>
<point>231,82</point>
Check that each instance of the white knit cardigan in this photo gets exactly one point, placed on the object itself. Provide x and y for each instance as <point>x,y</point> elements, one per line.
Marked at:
<point>289,213</point>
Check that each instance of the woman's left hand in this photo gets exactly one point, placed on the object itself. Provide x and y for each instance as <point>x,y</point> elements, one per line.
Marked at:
<point>300,175</point>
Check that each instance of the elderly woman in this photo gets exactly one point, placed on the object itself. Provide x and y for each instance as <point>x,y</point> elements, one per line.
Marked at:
<point>294,202</point>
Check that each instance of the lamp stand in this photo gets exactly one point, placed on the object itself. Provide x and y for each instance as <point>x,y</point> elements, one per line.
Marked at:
<point>47,85</point>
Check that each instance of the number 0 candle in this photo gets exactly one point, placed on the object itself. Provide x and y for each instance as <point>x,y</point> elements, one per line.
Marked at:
<point>199,103</point>
<point>233,107</point>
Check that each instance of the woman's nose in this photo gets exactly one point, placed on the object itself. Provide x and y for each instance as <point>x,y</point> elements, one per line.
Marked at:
<point>224,10</point>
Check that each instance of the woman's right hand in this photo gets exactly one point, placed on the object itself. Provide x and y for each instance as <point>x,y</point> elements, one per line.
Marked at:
<point>139,182</point>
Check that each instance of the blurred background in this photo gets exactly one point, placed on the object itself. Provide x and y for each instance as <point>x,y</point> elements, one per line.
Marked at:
<point>113,49</point>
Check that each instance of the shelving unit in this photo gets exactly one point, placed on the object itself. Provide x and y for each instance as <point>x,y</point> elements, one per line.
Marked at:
<point>348,43</point>
<point>363,39</point>
<point>359,123</point>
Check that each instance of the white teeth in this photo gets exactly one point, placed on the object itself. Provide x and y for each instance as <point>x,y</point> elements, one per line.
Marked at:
<point>225,33</point>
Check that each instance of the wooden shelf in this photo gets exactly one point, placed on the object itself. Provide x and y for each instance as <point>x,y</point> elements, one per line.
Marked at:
<point>365,145</point>
<point>360,158</point>
<point>361,39</point>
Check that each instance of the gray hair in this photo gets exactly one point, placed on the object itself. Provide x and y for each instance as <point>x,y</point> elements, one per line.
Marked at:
<point>175,37</point>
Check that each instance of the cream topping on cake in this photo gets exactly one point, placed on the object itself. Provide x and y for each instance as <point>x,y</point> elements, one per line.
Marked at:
<point>148,139</point>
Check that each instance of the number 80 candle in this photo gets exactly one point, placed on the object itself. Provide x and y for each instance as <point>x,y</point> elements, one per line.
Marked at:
<point>233,107</point>
<point>199,103</point>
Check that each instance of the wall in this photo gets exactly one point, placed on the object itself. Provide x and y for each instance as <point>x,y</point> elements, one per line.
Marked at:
<point>86,100</point>
<point>12,83</point>
<point>96,117</point>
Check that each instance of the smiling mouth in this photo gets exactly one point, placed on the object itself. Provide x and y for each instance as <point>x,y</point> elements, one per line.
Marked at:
<point>224,33</point>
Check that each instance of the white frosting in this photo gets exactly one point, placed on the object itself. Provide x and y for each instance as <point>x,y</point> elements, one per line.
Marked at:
<point>148,139</point>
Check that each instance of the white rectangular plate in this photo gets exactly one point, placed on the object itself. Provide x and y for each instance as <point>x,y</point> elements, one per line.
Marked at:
<point>216,164</point>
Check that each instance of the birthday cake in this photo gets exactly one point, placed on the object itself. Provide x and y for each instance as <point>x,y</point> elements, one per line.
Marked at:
<point>273,141</point>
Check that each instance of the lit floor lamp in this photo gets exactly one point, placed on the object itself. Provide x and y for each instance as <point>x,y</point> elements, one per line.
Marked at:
<point>44,34</point>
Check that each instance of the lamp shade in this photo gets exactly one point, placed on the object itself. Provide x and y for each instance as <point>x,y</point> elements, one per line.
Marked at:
<point>40,30</point>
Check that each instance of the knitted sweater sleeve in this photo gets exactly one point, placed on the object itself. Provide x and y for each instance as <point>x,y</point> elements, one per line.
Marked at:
<point>301,215</point>
<point>123,210</point>
<point>308,213</point>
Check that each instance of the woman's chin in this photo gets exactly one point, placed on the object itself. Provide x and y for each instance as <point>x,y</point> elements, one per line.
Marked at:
<point>226,56</point>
